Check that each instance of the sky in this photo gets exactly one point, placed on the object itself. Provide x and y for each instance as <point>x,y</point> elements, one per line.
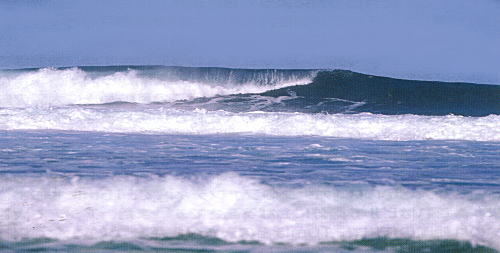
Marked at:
<point>451,40</point>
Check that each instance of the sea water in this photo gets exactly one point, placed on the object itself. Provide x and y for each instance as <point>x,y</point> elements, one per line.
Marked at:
<point>172,159</point>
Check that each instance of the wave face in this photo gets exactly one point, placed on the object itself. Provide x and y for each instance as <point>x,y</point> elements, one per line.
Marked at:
<point>355,92</point>
<point>235,208</point>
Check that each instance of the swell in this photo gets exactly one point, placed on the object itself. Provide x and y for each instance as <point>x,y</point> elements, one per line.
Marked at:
<point>346,91</point>
<point>234,209</point>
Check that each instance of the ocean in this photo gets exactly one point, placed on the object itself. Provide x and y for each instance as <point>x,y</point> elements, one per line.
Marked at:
<point>191,159</point>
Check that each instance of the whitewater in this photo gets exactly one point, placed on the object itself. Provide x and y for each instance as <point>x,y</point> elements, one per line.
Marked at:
<point>156,158</point>
<point>53,87</point>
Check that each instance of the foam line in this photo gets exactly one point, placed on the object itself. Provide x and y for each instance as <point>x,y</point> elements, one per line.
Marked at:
<point>170,121</point>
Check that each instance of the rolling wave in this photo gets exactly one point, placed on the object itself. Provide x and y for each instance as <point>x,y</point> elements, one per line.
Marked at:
<point>100,85</point>
<point>338,90</point>
<point>242,90</point>
<point>182,100</point>
<point>235,208</point>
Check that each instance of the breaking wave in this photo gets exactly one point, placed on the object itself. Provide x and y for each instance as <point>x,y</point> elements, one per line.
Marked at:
<point>66,86</point>
<point>309,91</point>
<point>235,208</point>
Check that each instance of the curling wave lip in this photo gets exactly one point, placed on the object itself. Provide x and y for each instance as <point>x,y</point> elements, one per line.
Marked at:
<point>56,87</point>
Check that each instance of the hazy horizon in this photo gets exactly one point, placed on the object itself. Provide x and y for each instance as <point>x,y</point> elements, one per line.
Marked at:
<point>430,40</point>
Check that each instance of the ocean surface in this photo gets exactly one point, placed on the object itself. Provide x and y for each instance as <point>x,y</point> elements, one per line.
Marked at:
<point>179,159</point>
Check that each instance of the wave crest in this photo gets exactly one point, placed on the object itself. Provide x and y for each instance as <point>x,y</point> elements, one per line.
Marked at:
<point>56,87</point>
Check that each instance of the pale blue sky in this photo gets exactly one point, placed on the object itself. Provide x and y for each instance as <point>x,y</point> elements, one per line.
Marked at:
<point>421,39</point>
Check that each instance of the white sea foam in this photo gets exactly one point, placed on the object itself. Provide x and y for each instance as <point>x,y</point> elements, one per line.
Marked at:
<point>170,121</point>
<point>52,87</point>
<point>236,208</point>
